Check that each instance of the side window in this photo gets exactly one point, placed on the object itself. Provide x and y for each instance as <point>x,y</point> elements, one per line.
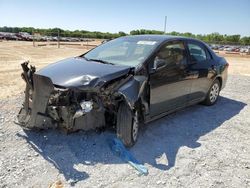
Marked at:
<point>197,53</point>
<point>172,53</point>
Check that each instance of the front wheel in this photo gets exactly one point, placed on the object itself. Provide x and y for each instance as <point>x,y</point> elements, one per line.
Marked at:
<point>213,93</point>
<point>127,125</point>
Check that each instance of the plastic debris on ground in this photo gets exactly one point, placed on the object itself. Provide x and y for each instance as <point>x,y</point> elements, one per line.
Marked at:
<point>119,150</point>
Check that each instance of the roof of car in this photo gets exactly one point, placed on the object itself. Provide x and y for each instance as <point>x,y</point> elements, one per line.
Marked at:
<point>163,38</point>
<point>156,37</point>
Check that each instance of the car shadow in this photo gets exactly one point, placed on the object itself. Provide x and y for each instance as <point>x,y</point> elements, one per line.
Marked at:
<point>165,135</point>
<point>183,128</point>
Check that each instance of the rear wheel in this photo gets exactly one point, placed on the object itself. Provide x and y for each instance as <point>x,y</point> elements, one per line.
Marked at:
<point>127,125</point>
<point>213,93</point>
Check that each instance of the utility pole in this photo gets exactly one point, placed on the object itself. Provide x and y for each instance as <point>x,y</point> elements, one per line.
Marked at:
<point>165,24</point>
<point>33,37</point>
<point>58,38</point>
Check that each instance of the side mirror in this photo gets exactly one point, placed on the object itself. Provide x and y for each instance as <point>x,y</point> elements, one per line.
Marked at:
<point>159,64</point>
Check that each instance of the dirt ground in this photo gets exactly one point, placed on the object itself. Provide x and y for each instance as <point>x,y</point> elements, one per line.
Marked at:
<point>13,53</point>
<point>197,147</point>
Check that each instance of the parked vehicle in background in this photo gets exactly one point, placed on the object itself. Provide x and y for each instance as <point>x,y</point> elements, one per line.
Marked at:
<point>221,48</point>
<point>237,49</point>
<point>106,40</point>
<point>245,50</point>
<point>214,47</point>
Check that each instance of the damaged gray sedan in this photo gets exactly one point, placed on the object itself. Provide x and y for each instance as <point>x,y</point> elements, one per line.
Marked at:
<point>122,83</point>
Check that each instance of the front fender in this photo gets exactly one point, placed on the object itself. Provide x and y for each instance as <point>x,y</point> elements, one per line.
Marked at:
<point>133,89</point>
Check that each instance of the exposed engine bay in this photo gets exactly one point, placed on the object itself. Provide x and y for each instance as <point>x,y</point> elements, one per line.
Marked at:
<point>48,105</point>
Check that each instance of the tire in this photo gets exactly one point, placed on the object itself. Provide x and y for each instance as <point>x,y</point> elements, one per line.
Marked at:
<point>213,93</point>
<point>127,125</point>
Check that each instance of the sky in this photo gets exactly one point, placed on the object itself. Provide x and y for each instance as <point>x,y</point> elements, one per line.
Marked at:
<point>195,16</point>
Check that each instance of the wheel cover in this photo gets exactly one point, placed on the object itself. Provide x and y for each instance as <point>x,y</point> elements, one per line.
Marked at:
<point>135,127</point>
<point>214,92</point>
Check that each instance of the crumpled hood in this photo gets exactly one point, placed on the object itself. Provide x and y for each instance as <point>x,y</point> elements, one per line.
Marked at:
<point>78,72</point>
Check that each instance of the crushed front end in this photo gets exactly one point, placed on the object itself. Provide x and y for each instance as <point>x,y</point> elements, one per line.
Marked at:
<point>49,106</point>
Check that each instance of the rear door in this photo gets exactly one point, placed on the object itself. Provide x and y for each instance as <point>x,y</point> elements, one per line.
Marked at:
<point>201,62</point>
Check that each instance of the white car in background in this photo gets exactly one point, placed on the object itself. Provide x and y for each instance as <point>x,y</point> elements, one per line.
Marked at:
<point>245,50</point>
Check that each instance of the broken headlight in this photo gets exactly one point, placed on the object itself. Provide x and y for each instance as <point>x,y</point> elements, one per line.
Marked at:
<point>86,106</point>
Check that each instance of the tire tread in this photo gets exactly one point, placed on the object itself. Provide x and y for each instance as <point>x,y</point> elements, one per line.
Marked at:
<point>124,125</point>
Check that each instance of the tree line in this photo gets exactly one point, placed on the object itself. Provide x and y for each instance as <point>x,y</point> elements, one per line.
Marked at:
<point>63,33</point>
<point>209,38</point>
<point>215,38</point>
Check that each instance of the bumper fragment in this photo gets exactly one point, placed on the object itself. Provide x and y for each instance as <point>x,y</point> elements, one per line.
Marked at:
<point>33,113</point>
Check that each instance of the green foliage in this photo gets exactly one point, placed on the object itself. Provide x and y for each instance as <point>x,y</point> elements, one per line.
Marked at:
<point>245,40</point>
<point>145,32</point>
<point>63,33</point>
<point>209,38</point>
<point>216,38</point>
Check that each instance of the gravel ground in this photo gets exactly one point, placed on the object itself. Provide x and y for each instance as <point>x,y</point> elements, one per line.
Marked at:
<point>196,147</point>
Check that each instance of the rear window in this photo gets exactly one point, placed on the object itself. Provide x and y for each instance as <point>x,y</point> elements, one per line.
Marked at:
<point>197,53</point>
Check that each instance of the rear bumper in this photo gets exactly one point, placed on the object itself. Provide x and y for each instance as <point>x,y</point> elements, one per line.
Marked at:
<point>224,77</point>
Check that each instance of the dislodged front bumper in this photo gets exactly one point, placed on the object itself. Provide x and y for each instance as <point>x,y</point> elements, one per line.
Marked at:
<point>33,112</point>
<point>42,108</point>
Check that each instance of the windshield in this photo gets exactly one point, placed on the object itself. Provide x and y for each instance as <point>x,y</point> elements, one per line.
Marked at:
<point>123,51</point>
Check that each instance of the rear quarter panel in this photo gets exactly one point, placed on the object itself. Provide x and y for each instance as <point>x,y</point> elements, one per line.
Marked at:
<point>223,70</point>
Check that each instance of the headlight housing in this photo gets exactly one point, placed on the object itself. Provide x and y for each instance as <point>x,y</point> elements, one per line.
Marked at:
<point>86,106</point>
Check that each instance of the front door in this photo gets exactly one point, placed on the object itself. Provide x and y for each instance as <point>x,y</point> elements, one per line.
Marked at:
<point>170,82</point>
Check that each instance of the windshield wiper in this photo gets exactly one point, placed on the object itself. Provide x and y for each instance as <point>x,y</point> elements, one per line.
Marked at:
<point>99,60</point>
